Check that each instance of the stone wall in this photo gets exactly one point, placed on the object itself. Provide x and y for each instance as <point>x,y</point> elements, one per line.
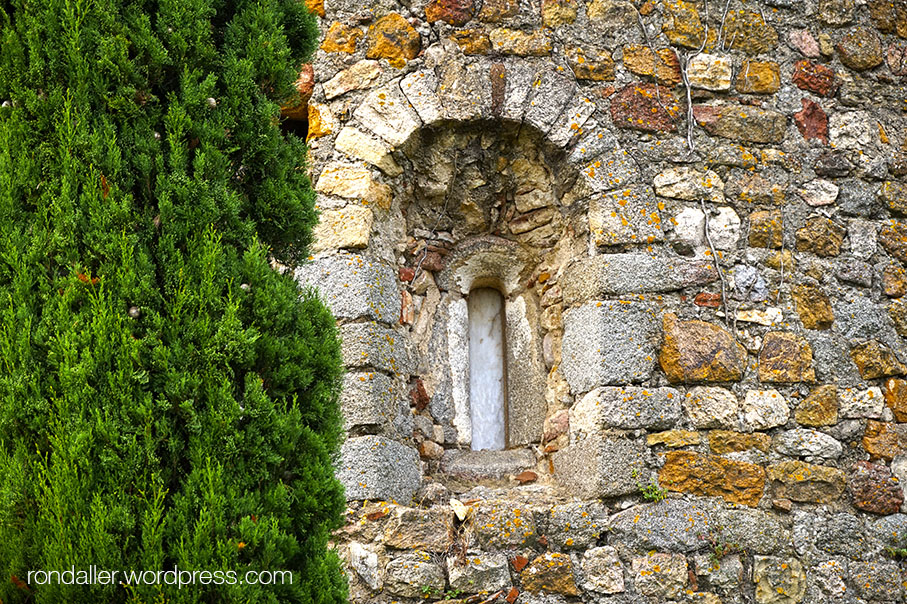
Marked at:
<point>695,213</point>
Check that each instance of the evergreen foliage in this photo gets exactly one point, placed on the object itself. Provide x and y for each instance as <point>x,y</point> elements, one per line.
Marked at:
<point>166,398</point>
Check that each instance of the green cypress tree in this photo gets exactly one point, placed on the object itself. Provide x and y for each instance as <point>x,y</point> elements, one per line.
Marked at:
<point>166,397</point>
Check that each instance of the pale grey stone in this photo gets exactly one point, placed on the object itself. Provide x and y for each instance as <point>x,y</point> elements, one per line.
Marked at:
<point>374,403</point>
<point>518,87</point>
<point>420,88</point>
<point>603,571</point>
<point>371,345</point>
<point>628,273</point>
<point>576,525</point>
<point>669,525</point>
<point>850,130</point>
<point>596,467</point>
<point>877,580</point>
<point>724,573</point>
<point>859,403</point>
<point>354,287</point>
<point>863,236</point>
<point>578,110</point>
<point>374,467</point>
<point>365,563</point>
<point>413,575</point>
<point>476,465</point>
<point>724,228</point>
<point>829,577</point>
<point>482,572</point>
<point>857,198</point>
<point>388,114</point>
<point>504,524</point>
<point>465,90</point>
<point>608,171</point>
<point>550,94</point>
<point>689,184</point>
<point>752,530</point>
<point>890,531</point>
<point>608,343</point>
<point>805,442</point>
<point>712,407</point>
<point>627,408</point>
<point>831,358</point>
<point>764,409</point>
<point>625,216</point>
<point>660,575</point>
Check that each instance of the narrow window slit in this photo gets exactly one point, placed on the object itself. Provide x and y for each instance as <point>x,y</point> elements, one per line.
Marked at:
<point>487,369</point>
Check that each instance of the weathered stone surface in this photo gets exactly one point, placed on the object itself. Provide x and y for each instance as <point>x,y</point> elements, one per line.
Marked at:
<point>374,467</point>
<point>341,38</point>
<point>590,64</point>
<point>785,357</point>
<point>710,72</point>
<point>625,216</point>
<point>481,572</point>
<point>623,337</point>
<point>802,442</point>
<point>759,77</point>
<point>894,194</point>
<point>682,24</point>
<point>645,107</point>
<point>725,441</point>
<point>893,238</point>
<point>353,182</point>
<point>599,467</point>
<point>752,530</point>
<point>503,525</point>
<point>875,360</point>
<point>660,575</point>
<point>741,122</point>
<point>603,571</point>
<point>748,32</point>
<point>360,145</point>
<point>375,346</point>
<point>495,11</point>
<point>877,580</point>
<point>392,37</point>
<point>669,525</point>
<point>815,78</point>
<point>354,287</point>
<point>415,528</point>
<point>752,188</point>
<point>388,113</point>
<point>472,41</point>
<point>875,489</point>
<point>896,398</point>
<point>763,409</point>
<point>556,13</point>
<point>882,441</point>
<point>734,481</point>
<point>696,351</point>
<point>349,228</point>
<point>372,403</point>
<point>411,575</point>
<point>819,192</point>
<point>576,525</point>
<point>486,465</point>
<point>689,184</point>
<point>710,407</point>
<point>805,482</point>
<point>365,563</point>
<point>519,43</point>
<point>550,573</point>
<point>662,64</point>
<point>766,229</point>
<point>627,273</point>
<point>813,307</point>
<point>860,49</point>
<point>626,408</point>
<point>821,237</point>
<point>856,403</point>
<point>851,130</point>
<point>836,12</point>
<point>454,12</point>
<point>673,438</point>
<point>611,16</point>
<point>804,41</point>
<point>778,580</point>
<point>820,408</point>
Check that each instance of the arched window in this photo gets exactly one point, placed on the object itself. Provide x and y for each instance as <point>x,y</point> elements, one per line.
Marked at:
<point>487,369</point>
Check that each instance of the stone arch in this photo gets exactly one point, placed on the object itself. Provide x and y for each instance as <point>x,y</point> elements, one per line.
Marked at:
<point>404,224</point>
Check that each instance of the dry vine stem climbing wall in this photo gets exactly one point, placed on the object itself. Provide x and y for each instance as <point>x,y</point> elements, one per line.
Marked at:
<point>696,218</point>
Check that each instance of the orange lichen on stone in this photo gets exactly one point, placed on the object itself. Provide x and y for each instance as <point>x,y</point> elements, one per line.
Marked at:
<point>710,476</point>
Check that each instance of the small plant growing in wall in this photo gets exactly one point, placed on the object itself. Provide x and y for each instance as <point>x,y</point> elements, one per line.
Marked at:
<point>650,491</point>
<point>719,546</point>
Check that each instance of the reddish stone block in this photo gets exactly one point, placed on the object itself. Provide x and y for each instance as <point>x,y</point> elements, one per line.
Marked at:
<point>455,12</point>
<point>646,107</point>
<point>815,78</point>
<point>875,489</point>
<point>812,122</point>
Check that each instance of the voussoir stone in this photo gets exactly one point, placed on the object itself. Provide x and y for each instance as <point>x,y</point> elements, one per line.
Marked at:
<point>697,351</point>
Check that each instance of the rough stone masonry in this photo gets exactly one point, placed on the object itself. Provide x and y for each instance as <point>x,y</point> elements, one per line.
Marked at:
<point>696,213</point>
